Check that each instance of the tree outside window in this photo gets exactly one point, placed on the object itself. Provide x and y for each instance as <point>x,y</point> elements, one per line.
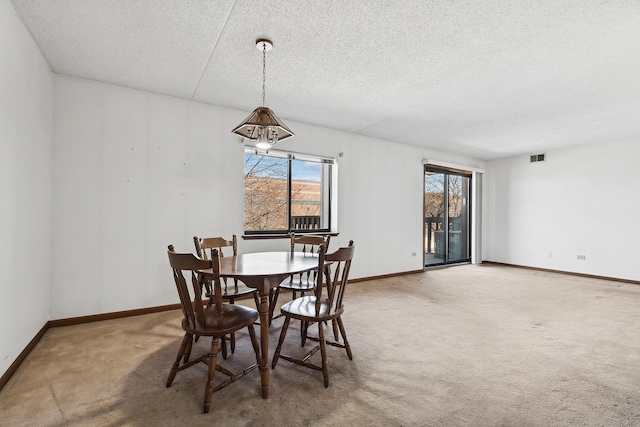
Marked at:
<point>284,193</point>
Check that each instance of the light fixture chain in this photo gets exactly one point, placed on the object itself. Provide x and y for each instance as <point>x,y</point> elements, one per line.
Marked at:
<point>262,127</point>
<point>264,72</point>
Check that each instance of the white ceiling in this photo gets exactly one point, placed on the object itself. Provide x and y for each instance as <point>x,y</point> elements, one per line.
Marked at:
<point>485,78</point>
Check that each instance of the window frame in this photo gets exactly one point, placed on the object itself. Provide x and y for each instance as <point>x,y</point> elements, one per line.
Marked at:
<point>447,172</point>
<point>330,180</point>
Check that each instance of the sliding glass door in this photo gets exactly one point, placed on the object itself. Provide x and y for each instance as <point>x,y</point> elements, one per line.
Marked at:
<point>446,216</point>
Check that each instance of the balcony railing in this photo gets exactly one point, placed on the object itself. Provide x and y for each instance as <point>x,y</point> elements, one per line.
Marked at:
<point>311,222</point>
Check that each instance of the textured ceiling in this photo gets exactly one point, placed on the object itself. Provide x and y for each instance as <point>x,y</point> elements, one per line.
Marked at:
<point>487,79</point>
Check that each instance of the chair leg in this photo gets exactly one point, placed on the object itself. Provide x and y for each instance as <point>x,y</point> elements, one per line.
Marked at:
<point>223,346</point>
<point>187,353</point>
<point>323,353</point>
<point>209,291</point>
<point>283,333</point>
<point>256,300</point>
<point>305,334</point>
<point>254,342</point>
<point>304,327</point>
<point>273,299</point>
<point>344,338</point>
<point>335,329</point>
<point>183,347</point>
<point>232,337</point>
<point>208,390</point>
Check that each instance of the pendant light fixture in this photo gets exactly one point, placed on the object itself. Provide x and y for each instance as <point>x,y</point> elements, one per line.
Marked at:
<point>263,127</point>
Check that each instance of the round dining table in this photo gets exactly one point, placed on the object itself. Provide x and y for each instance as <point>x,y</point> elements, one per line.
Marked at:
<point>265,271</point>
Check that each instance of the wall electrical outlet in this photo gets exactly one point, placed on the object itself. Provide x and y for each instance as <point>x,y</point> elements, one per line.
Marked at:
<point>582,257</point>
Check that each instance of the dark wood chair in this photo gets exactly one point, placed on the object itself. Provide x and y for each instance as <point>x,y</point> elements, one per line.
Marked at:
<point>304,282</point>
<point>326,305</point>
<point>232,289</point>
<point>215,321</point>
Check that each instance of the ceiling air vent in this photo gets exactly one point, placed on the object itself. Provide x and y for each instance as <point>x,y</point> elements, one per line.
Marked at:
<point>536,158</point>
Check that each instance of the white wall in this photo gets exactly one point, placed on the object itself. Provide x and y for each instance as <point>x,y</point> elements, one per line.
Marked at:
<point>581,201</point>
<point>135,171</point>
<point>25,172</point>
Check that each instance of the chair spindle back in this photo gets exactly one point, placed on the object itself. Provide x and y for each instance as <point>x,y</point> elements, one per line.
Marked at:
<point>202,244</point>
<point>309,244</point>
<point>336,267</point>
<point>183,262</point>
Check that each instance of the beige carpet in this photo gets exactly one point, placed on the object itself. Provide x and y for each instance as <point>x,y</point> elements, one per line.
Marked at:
<point>463,346</point>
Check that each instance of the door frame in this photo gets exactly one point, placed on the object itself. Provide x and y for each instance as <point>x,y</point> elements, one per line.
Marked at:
<point>475,195</point>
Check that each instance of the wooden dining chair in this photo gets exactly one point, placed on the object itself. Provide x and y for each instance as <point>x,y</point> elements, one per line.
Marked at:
<point>326,305</point>
<point>303,282</point>
<point>215,320</point>
<point>232,289</point>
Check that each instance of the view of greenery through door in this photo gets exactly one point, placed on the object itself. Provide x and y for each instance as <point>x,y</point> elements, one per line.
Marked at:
<point>446,201</point>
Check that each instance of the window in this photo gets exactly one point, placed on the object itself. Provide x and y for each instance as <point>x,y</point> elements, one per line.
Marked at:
<point>285,192</point>
<point>446,215</point>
